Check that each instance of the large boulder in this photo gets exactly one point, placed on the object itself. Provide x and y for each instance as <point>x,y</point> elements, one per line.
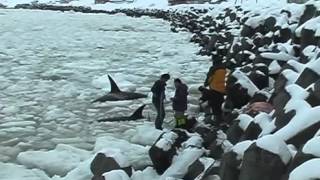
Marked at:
<point>305,123</point>
<point>309,151</point>
<point>266,159</point>
<point>307,77</point>
<point>231,161</point>
<point>309,12</point>
<point>207,134</point>
<point>108,160</point>
<point>229,166</point>
<point>234,132</point>
<point>187,164</point>
<point>314,95</point>
<point>306,171</point>
<point>162,151</point>
<point>240,88</point>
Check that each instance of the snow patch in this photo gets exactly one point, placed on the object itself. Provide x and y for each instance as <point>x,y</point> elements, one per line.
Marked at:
<point>117,155</point>
<point>181,163</point>
<point>276,145</point>
<point>116,175</point>
<point>137,155</point>
<point>244,121</point>
<point>241,147</point>
<point>167,140</point>
<point>312,147</point>
<point>306,171</point>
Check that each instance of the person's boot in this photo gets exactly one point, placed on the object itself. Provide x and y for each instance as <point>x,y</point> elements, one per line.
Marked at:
<point>180,121</point>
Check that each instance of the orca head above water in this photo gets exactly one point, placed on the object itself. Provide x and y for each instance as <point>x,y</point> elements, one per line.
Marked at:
<point>116,94</point>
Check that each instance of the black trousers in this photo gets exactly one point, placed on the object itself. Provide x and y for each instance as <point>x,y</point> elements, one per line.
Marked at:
<point>158,104</point>
<point>215,102</point>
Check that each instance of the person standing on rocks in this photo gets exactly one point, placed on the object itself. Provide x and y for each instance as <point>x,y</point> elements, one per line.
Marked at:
<point>180,102</point>
<point>216,80</point>
<point>158,97</point>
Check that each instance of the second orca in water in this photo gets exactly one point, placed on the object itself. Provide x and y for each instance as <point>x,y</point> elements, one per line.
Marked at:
<point>117,95</point>
<point>135,116</point>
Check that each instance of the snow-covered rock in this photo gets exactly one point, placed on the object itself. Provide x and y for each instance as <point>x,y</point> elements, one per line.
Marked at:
<point>306,171</point>
<point>108,160</point>
<point>312,147</point>
<point>182,162</point>
<point>275,145</point>
<point>137,155</point>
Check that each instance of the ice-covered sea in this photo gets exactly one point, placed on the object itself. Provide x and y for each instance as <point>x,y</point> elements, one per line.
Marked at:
<point>53,64</point>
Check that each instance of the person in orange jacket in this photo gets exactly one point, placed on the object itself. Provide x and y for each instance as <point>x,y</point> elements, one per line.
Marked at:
<point>216,80</point>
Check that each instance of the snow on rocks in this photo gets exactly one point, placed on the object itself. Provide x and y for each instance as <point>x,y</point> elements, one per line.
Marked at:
<point>306,171</point>
<point>137,155</point>
<point>162,151</point>
<point>108,160</point>
<point>312,147</point>
<point>308,152</point>
<point>245,82</point>
<point>181,163</point>
<point>274,67</point>
<point>270,147</point>
<point>244,121</point>
<point>300,122</point>
<point>116,175</point>
<point>274,144</point>
<point>117,155</point>
<point>166,141</point>
<point>193,141</point>
<point>240,148</point>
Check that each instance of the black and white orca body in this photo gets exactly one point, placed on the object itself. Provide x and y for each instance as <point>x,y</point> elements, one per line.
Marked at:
<point>117,95</point>
<point>135,116</point>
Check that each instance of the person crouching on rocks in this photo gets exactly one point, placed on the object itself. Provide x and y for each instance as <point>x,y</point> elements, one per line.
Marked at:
<point>216,80</point>
<point>158,96</point>
<point>180,103</point>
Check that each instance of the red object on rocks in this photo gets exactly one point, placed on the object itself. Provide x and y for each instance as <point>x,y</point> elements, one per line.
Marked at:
<point>260,107</point>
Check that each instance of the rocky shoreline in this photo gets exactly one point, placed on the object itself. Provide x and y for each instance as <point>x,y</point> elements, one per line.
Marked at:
<point>273,57</point>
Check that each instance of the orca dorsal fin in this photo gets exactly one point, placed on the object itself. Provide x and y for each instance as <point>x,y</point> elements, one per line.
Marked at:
<point>138,113</point>
<point>114,86</point>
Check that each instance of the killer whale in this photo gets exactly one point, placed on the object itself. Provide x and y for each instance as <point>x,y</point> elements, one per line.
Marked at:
<point>117,95</point>
<point>135,116</point>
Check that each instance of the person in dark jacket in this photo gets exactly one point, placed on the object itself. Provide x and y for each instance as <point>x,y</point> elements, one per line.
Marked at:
<point>180,102</point>
<point>158,96</point>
